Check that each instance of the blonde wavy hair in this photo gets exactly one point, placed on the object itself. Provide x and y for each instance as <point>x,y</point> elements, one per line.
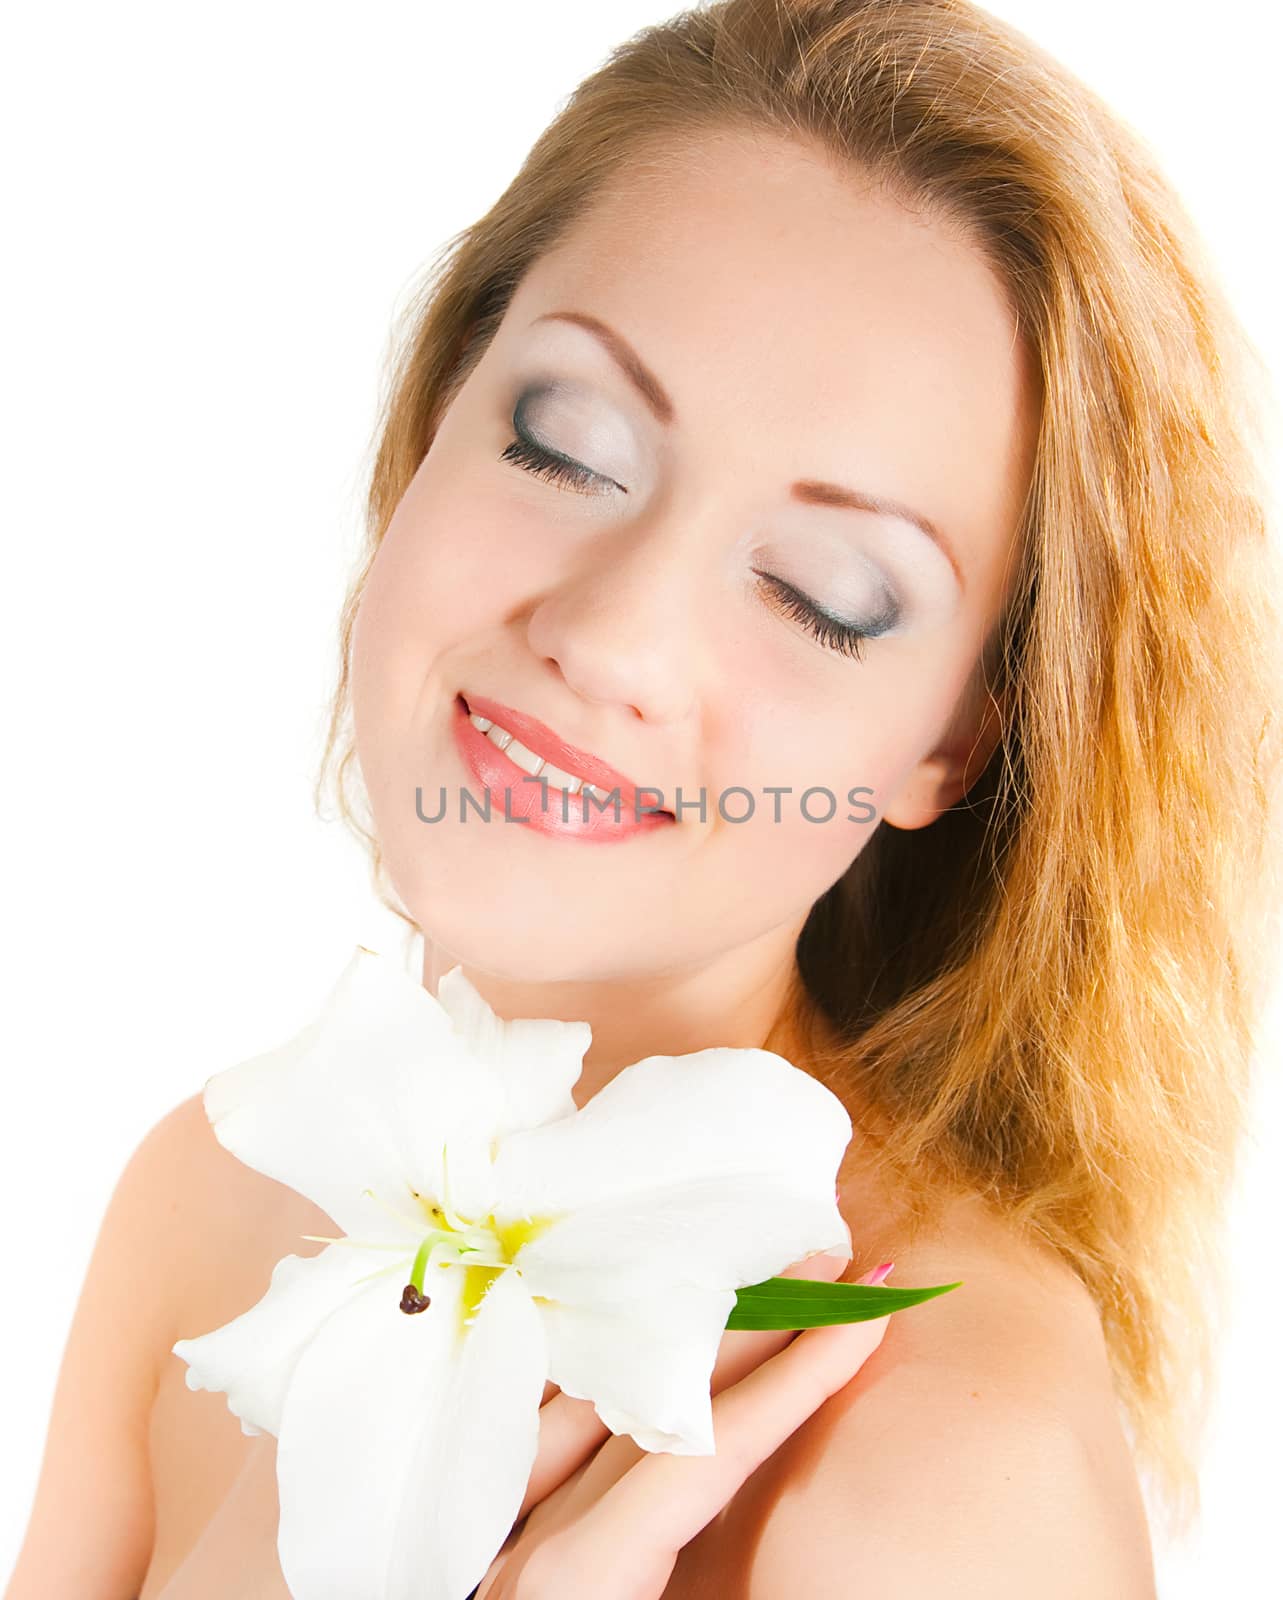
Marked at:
<point>1050,997</point>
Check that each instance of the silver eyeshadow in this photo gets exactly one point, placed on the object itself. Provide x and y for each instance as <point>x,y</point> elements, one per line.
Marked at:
<point>582,430</point>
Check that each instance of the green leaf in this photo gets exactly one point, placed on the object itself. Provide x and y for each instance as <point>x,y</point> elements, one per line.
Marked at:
<point>779,1303</point>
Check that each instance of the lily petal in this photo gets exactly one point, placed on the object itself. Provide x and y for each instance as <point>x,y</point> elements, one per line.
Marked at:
<point>252,1358</point>
<point>406,1444</point>
<point>366,1096</point>
<point>538,1060</point>
<point>718,1233</point>
<point>716,1168</point>
<point>647,1365</point>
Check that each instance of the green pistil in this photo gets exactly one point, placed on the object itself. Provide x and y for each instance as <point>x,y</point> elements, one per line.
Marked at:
<point>421,1261</point>
<point>413,1298</point>
<point>490,1248</point>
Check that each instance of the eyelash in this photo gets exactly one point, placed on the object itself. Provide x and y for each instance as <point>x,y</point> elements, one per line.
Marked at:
<point>841,637</point>
<point>545,465</point>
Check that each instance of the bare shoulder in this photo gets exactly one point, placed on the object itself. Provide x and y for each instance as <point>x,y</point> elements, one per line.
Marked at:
<point>979,1451</point>
<point>230,1226</point>
<point>93,1514</point>
<point>237,1224</point>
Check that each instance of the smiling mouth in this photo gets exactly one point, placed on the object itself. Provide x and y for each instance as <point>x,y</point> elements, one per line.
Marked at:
<point>563,777</point>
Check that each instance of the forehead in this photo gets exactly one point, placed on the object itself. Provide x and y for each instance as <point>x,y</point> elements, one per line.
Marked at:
<point>787,304</point>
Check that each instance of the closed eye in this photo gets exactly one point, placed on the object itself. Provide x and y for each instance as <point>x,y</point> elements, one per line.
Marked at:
<point>558,469</point>
<point>844,637</point>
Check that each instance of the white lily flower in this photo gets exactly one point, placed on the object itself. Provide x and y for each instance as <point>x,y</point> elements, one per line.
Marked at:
<point>495,1236</point>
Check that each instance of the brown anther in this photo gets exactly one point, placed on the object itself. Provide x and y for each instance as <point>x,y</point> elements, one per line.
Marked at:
<point>412,1300</point>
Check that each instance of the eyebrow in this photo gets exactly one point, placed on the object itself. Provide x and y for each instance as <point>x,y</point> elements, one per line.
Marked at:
<point>807,491</point>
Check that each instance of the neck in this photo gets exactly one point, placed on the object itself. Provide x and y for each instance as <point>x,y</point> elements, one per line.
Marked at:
<point>738,1000</point>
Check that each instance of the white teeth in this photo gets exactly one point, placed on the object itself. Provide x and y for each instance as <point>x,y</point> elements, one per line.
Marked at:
<point>520,756</point>
<point>561,780</point>
<point>535,765</point>
<point>529,762</point>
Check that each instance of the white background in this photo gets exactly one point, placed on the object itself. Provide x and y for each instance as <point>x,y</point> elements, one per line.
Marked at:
<point>212,215</point>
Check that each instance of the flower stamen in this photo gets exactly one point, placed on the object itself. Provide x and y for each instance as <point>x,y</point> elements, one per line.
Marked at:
<point>365,1244</point>
<point>455,1222</point>
<point>381,1272</point>
<point>408,1222</point>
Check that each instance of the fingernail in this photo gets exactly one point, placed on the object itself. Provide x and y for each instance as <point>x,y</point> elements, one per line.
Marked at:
<point>882,1273</point>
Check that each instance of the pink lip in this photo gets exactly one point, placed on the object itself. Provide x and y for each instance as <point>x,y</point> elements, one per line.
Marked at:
<point>540,738</point>
<point>517,796</point>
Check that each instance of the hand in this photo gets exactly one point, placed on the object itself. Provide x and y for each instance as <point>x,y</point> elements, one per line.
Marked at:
<point>612,1526</point>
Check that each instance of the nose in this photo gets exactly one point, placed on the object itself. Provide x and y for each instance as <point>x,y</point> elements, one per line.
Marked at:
<point>623,628</point>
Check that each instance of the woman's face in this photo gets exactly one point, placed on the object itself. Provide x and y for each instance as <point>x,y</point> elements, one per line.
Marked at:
<point>652,609</point>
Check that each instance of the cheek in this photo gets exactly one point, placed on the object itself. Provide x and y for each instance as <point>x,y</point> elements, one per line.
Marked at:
<point>805,837</point>
<point>836,773</point>
<point>772,738</point>
<point>434,584</point>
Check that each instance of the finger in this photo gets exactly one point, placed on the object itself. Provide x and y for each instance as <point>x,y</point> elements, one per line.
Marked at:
<point>569,1431</point>
<point>666,1499</point>
<point>742,1349</point>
